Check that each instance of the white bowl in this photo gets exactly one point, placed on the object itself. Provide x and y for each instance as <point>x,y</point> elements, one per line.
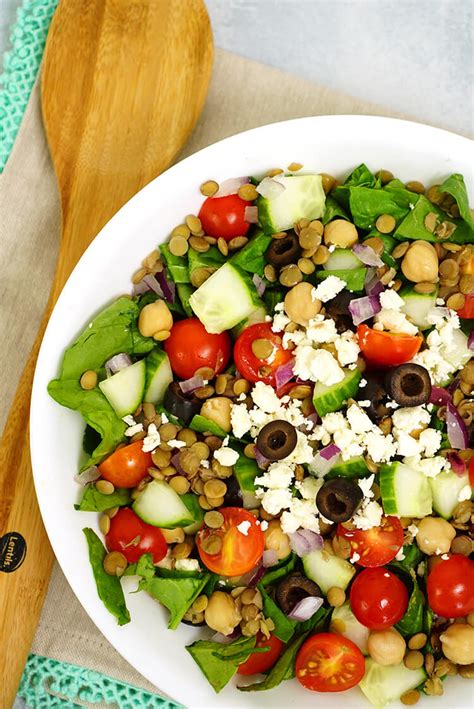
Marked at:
<point>333,144</point>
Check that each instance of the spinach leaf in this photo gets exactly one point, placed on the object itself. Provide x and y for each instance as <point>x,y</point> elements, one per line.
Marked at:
<point>143,567</point>
<point>252,256</point>
<point>354,277</point>
<point>202,425</point>
<point>455,186</point>
<point>108,587</point>
<point>361,176</point>
<point>272,297</point>
<point>284,627</point>
<point>210,259</point>
<point>318,621</point>
<point>282,669</point>
<point>218,662</point>
<point>185,290</point>
<point>413,225</point>
<point>367,204</point>
<point>412,621</point>
<point>413,556</point>
<point>333,210</point>
<point>151,297</point>
<point>177,594</point>
<point>177,265</point>
<point>280,571</point>
<point>94,501</point>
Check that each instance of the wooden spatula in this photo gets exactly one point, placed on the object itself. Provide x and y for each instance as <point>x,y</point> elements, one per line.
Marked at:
<point>123,84</point>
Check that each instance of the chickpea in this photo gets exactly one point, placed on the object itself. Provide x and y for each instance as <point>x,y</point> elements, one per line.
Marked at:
<point>276,539</point>
<point>435,535</point>
<point>340,233</point>
<point>386,647</point>
<point>458,643</point>
<point>299,304</point>
<point>221,613</point>
<point>218,410</point>
<point>155,317</point>
<point>420,262</point>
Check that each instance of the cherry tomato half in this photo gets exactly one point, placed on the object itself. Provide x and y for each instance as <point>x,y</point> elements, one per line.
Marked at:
<point>224,216</point>
<point>262,661</point>
<point>241,549</point>
<point>126,466</point>
<point>471,472</point>
<point>386,349</point>
<point>467,310</point>
<point>378,598</point>
<point>249,365</point>
<point>190,346</point>
<point>376,546</point>
<point>133,537</point>
<point>328,662</point>
<point>450,587</point>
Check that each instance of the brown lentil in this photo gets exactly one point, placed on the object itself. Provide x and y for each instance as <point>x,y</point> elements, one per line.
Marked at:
<point>388,276</point>
<point>214,519</point>
<point>290,276</point>
<point>173,536</point>
<point>152,259</point>
<point>279,235</point>
<point>461,545</point>
<point>111,512</point>
<point>138,275</point>
<point>467,373</point>
<point>376,244</point>
<point>433,687</point>
<point>424,287</point>
<point>187,435</point>
<point>200,275</point>
<point>306,266</point>
<point>309,238</point>
<point>248,192</point>
<point>384,176</point>
<point>209,188</point>
<point>168,431</point>
<point>434,195</point>
<point>462,511</point>
<point>114,563</point>
<point>204,392</point>
<point>341,547</point>
<point>211,544</point>
<point>180,484</point>
<point>411,697</point>
<point>222,246</point>
<point>161,458</point>
<point>417,641</point>
<point>414,660</point>
<point>262,348</point>
<point>415,186</point>
<point>249,450</point>
<point>104,487</point>
<point>466,671</point>
<point>193,223</point>
<point>336,596</point>
<point>456,301</point>
<point>429,663</point>
<point>189,461</point>
<point>182,550</point>
<point>178,245</point>
<point>104,524</point>
<point>385,223</point>
<point>466,284</point>
<point>444,667</point>
<point>215,488</point>
<point>270,273</point>
<point>400,250</point>
<point>221,383</point>
<point>215,501</point>
<point>241,386</point>
<point>294,166</point>
<point>274,171</point>
<point>321,255</point>
<point>199,244</point>
<point>430,221</point>
<point>197,486</point>
<point>237,243</point>
<point>88,380</point>
<point>213,442</point>
<point>200,604</point>
<point>300,391</point>
<point>169,470</point>
<point>181,230</point>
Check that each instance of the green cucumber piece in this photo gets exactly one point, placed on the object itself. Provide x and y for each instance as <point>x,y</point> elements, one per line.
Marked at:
<point>158,376</point>
<point>352,468</point>
<point>406,492</point>
<point>185,290</point>
<point>332,398</point>
<point>303,197</point>
<point>124,390</point>
<point>354,278</point>
<point>383,684</point>
<point>457,352</point>
<point>344,622</point>
<point>245,472</point>
<point>327,570</point>
<point>203,425</point>
<point>177,265</point>
<point>418,305</point>
<point>258,315</point>
<point>225,299</point>
<point>445,488</point>
<point>342,260</point>
<point>158,504</point>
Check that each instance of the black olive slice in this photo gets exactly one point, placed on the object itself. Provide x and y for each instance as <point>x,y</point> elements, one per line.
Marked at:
<point>233,496</point>
<point>408,384</point>
<point>292,589</point>
<point>183,406</point>
<point>277,439</point>
<point>282,252</point>
<point>339,305</point>
<point>374,391</point>
<point>338,499</point>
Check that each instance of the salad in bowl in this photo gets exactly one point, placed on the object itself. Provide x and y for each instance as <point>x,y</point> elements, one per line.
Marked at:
<point>279,436</point>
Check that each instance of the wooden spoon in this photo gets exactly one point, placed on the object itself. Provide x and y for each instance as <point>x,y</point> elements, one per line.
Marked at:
<point>123,84</point>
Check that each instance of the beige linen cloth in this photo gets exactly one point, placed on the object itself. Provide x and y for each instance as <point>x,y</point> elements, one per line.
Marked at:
<point>243,95</point>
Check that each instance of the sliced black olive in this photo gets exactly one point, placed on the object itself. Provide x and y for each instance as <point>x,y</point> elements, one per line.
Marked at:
<point>233,496</point>
<point>339,305</point>
<point>277,439</point>
<point>408,384</point>
<point>282,252</point>
<point>374,391</point>
<point>183,406</point>
<point>292,589</point>
<point>338,499</point>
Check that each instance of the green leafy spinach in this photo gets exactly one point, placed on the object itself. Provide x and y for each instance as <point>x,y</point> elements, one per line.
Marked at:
<point>219,662</point>
<point>176,594</point>
<point>455,186</point>
<point>412,621</point>
<point>94,501</point>
<point>108,587</point>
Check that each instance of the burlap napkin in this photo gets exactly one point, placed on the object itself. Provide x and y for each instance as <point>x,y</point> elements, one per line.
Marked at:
<point>243,95</point>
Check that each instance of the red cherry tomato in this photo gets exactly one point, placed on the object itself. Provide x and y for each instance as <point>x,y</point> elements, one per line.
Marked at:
<point>471,472</point>
<point>224,216</point>
<point>250,366</point>
<point>190,346</point>
<point>126,466</point>
<point>241,550</point>
<point>467,310</point>
<point>133,537</point>
<point>378,598</point>
<point>450,587</point>
<point>386,349</point>
<point>262,661</point>
<point>376,546</point>
<point>328,662</point>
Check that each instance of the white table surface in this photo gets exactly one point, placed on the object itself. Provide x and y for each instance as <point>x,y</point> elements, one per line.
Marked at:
<point>414,56</point>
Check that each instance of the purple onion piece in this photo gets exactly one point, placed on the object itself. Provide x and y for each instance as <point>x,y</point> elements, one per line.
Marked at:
<point>168,287</point>
<point>458,465</point>
<point>117,362</point>
<point>367,255</point>
<point>259,283</point>
<point>262,461</point>
<point>372,284</point>
<point>457,431</point>
<point>324,460</point>
<point>140,288</point>
<point>329,451</point>
<point>191,384</point>
<point>176,464</point>
<point>251,214</point>
<point>314,418</point>
<point>304,541</point>
<point>306,608</point>
<point>362,309</point>
<point>454,385</point>
<point>257,575</point>
<point>470,341</point>
<point>89,475</point>
<point>439,396</point>
<point>284,374</point>
<point>231,186</point>
<point>269,558</point>
<point>222,639</point>
<point>153,284</point>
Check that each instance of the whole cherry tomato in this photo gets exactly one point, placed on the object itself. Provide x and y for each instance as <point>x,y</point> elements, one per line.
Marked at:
<point>386,349</point>
<point>249,364</point>
<point>376,546</point>
<point>133,537</point>
<point>224,216</point>
<point>467,310</point>
<point>471,472</point>
<point>450,587</point>
<point>378,598</point>
<point>190,347</point>
<point>328,662</point>
<point>241,543</point>
<point>262,661</point>
<point>126,466</point>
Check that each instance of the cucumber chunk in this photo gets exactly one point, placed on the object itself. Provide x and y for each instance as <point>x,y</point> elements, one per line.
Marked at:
<point>158,376</point>
<point>352,468</point>
<point>383,684</point>
<point>457,352</point>
<point>342,260</point>
<point>158,504</point>
<point>225,299</point>
<point>344,622</point>
<point>331,398</point>
<point>124,390</point>
<point>418,305</point>
<point>445,488</point>
<point>354,278</point>
<point>203,425</point>
<point>405,492</point>
<point>245,472</point>
<point>303,197</point>
<point>327,570</point>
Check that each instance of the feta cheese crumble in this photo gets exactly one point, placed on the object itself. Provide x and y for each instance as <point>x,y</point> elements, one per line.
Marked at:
<point>152,440</point>
<point>328,289</point>
<point>226,456</point>
<point>244,527</point>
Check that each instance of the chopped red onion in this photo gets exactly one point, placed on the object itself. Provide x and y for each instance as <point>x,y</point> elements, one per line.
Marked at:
<point>222,639</point>
<point>251,214</point>
<point>116,363</point>
<point>470,341</point>
<point>306,608</point>
<point>324,460</point>
<point>259,284</point>
<point>167,286</point>
<point>269,558</point>
<point>87,476</point>
<point>457,431</point>
<point>256,576</point>
<point>314,418</point>
<point>153,284</point>
<point>367,255</point>
<point>262,461</point>
<point>140,288</point>
<point>189,385</point>
<point>176,464</point>
<point>284,373</point>
<point>364,308</point>
<point>372,284</point>
<point>231,186</point>
<point>458,465</point>
<point>304,541</point>
<point>270,188</point>
<point>329,451</point>
<point>439,397</point>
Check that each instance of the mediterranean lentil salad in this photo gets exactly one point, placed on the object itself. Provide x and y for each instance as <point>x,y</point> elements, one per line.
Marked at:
<point>280,433</point>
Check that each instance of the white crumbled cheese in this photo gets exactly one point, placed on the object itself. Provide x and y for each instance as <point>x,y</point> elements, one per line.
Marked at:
<point>152,440</point>
<point>392,405</point>
<point>164,418</point>
<point>264,396</point>
<point>380,448</point>
<point>274,501</point>
<point>445,557</point>
<point>406,445</point>
<point>430,441</point>
<point>280,321</point>
<point>302,453</point>
<point>399,556</point>
<point>439,301</point>
<point>328,288</point>
<point>226,456</point>
<point>362,383</point>
<point>244,527</point>
<point>308,488</point>
<point>204,463</point>
<point>132,430</point>
<point>358,420</point>
<point>303,513</point>
<point>166,562</point>
<point>187,565</point>
<point>317,366</point>
<point>390,300</point>
<point>413,530</point>
<point>321,330</point>
<point>394,321</point>
<point>240,419</point>
<point>438,551</point>
<point>278,475</point>
<point>355,557</point>
<point>365,403</point>
<point>465,493</point>
<point>331,248</point>
<point>369,515</point>
<point>347,348</point>
<point>129,420</point>
<point>435,358</point>
<point>365,485</point>
<point>174,443</point>
<point>264,525</point>
<point>410,418</point>
<point>431,467</point>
